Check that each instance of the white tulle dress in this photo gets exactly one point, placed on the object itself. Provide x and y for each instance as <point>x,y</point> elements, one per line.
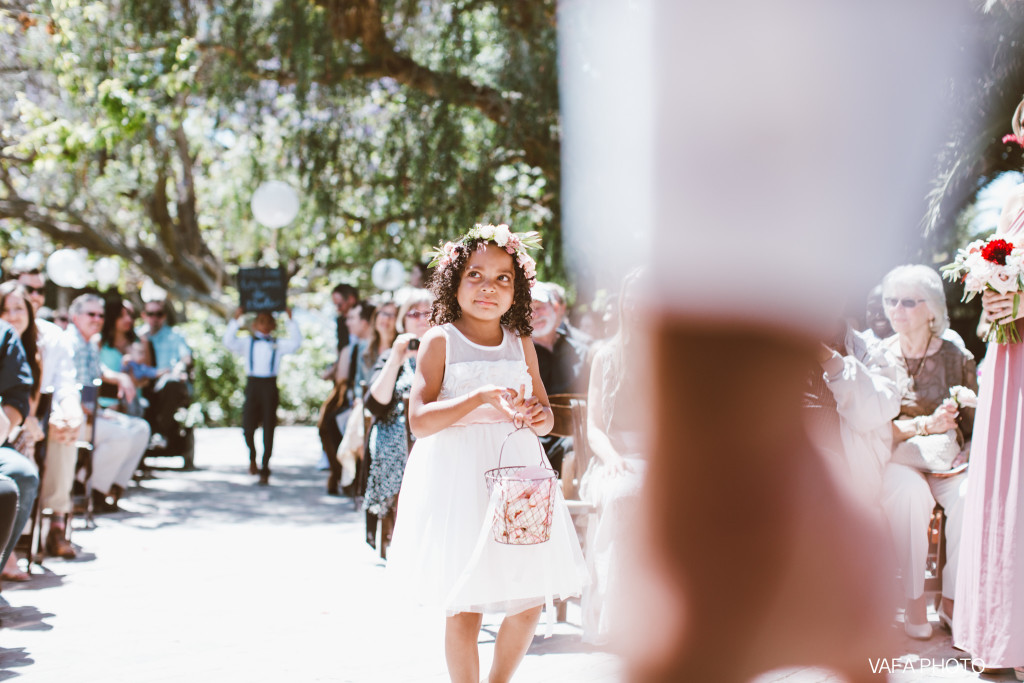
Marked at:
<point>442,552</point>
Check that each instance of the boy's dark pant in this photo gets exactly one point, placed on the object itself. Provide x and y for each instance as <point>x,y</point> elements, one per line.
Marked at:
<point>261,400</point>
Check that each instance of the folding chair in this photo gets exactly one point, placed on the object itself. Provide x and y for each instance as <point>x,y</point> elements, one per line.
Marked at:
<point>86,444</point>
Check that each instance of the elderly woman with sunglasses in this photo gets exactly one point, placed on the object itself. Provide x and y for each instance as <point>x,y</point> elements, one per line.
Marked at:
<point>928,366</point>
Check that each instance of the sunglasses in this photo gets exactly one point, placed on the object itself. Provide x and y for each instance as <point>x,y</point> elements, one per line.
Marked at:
<point>34,290</point>
<point>154,314</point>
<point>93,314</point>
<point>906,303</point>
<point>416,315</point>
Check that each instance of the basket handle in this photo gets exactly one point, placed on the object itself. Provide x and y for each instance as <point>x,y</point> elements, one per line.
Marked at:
<point>521,427</point>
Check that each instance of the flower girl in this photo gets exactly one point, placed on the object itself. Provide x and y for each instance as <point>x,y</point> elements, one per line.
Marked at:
<point>476,378</point>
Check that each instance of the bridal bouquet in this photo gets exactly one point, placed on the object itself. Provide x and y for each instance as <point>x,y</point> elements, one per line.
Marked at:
<point>994,264</point>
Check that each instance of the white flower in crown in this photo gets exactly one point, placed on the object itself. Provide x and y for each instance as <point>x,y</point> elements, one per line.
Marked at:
<point>485,232</point>
<point>502,235</point>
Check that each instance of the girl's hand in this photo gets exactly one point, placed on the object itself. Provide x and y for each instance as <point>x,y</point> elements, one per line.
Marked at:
<point>499,397</point>
<point>999,307</point>
<point>529,409</point>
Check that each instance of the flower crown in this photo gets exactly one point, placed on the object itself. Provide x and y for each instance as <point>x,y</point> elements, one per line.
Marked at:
<point>515,243</point>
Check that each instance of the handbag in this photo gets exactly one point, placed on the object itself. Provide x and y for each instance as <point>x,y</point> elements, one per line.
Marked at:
<point>351,447</point>
<point>928,452</point>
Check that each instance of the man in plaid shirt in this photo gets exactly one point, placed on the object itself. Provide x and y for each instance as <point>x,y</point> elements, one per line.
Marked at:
<point>120,440</point>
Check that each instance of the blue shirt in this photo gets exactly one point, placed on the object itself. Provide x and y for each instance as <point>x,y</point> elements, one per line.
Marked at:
<point>169,346</point>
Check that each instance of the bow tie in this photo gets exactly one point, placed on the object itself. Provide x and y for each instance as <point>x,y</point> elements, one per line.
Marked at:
<point>263,337</point>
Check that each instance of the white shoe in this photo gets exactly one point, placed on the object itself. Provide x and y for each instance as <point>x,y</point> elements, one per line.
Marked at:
<point>918,631</point>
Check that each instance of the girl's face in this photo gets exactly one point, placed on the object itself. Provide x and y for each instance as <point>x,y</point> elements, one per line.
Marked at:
<point>386,319</point>
<point>488,283</point>
<point>905,308</point>
<point>126,321</point>
<point>417,320</point>
<point>15,312</point>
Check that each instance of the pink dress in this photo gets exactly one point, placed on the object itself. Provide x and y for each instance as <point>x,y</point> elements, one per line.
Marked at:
<point>988,619</point>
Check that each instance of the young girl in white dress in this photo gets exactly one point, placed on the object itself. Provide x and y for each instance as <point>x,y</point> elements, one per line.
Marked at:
<point>476,372</point>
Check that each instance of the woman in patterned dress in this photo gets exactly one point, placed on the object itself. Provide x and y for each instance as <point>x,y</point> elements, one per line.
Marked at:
<point>389,446</point>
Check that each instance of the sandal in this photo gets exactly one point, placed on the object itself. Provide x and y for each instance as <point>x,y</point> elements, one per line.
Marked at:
<point>15,575</point>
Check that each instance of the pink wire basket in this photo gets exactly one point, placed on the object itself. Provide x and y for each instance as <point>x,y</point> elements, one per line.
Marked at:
<point>526,500</point>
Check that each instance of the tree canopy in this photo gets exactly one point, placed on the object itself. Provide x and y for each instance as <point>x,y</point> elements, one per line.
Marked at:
<point>140,128</point>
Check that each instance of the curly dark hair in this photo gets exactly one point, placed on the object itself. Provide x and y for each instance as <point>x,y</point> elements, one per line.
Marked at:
<point>445,285</point>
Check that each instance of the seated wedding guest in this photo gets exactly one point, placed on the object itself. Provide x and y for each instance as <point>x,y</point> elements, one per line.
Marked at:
<point>389,450</point>
<point>928,366</point>
<point>172,354</point>
<point>853,399</point>
<point>8,492</point>
<point>561,348</point>
<point>562,356</point>
<point>614,477</point>
<point>119,440</point>
<point>16,387</point>
<point>262,353</point>
<point>17,312</point>
<point>65,419</point>
<point>116,338</point>
<point>349,370</point>
<point>877,323</point>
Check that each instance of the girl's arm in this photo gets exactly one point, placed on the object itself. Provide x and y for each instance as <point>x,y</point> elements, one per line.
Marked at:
<point>427,415</point>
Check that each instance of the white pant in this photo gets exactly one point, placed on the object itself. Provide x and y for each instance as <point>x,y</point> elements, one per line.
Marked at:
<point>119,445</point>
<point>909,496</point>
<point>55,489</point>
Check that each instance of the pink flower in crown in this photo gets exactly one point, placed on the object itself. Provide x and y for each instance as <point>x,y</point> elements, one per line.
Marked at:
<point>528,265</point>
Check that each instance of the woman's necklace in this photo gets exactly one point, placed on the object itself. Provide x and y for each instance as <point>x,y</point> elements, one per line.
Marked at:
<point>918,363</point>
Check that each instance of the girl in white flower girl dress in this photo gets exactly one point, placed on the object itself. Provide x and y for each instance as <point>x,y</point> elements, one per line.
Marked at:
<point>476,374</point>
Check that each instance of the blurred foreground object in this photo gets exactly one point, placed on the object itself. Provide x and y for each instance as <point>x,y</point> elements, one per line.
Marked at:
<point>770,156</point>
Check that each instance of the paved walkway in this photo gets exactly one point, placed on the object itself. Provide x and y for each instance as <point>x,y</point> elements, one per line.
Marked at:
<point>207,577</point>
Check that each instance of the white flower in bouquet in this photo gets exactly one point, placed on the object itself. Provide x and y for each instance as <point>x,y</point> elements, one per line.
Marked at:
<point>994,265</point>
<point>964,397</point>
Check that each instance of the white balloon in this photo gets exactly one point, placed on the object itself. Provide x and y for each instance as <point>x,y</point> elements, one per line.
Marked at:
<point>107,271</point>
<point>150,291</point>
<point>388,274</point>
<point>67,268</point>
<point>275,204</point>
<point>29,261</point>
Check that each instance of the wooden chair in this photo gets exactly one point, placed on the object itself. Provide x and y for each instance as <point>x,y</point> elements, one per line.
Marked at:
<point>571,421</point>
<point>935,560</point>
<point>31,538</point>
<point>90,394</point>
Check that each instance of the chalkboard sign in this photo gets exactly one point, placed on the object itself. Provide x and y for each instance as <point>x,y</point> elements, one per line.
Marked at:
<point>262,289</point>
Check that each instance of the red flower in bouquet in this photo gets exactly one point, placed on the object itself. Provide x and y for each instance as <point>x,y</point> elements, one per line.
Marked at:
<point>1014,138</point>
<point>996,251</point>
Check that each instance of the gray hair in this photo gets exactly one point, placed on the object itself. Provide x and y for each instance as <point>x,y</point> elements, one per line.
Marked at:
<point>413,297</point>
<point>928,285</point>
<point>77,306</point>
